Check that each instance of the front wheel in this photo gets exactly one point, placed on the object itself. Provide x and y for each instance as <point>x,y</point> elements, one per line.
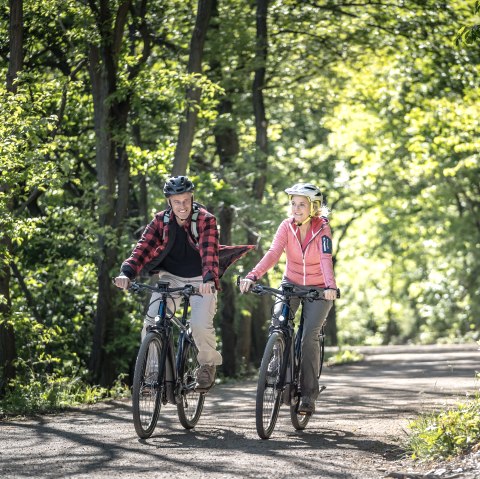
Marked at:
<point>191,401</point>
<point>147,386</point>
<point>268,396</point>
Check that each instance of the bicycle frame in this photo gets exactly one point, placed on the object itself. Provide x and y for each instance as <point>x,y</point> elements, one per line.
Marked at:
<point>293,348</point>
<point>168,358</point>
<point>286,328</point>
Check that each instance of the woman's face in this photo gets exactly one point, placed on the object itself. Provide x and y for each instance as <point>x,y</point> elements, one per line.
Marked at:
<point>300,208</point>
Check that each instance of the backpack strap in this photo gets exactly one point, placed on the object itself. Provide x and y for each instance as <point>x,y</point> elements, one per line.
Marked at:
<point>193,223</point>
<point>166,219</point>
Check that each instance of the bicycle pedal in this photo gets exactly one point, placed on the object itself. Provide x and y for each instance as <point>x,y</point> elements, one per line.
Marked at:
<point>204,390</point>
<point>322,388</point>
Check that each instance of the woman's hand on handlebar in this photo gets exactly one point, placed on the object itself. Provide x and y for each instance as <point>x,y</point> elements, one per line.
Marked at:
<point>245,285</point>
<point>121,282</point>
<point>330,294</point>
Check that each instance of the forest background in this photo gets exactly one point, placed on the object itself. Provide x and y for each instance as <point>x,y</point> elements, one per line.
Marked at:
<point>375,102</point>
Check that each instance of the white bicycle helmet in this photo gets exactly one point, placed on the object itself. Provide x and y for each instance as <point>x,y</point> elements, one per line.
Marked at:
<point>306,189</point>
<point>313,194</point>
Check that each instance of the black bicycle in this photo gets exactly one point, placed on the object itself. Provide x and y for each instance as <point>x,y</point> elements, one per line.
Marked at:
<point>163,375</point>
<point>279,375</point>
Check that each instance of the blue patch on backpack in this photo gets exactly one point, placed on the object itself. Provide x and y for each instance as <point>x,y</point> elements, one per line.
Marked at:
<point>326,245</point>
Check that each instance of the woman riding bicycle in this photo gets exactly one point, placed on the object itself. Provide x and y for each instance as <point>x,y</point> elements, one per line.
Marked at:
<point>306,239</point>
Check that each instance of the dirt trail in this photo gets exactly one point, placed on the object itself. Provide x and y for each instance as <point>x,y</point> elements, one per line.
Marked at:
<point>356,433</point>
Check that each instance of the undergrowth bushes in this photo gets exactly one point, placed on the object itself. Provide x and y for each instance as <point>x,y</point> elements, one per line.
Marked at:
<point>52,393</point>
<point>447,433</point>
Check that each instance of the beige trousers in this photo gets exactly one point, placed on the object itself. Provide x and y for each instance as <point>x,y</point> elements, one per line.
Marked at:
<point>203,310</point>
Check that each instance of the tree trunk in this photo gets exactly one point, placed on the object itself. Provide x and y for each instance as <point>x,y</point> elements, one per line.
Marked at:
<point>227,148</point>
<point>227,310</point>
<point>244,348</point>
<point>100,365</point>
<point>187,126</point>
<point>142,202</point>
<point>331,331</point>
<point>261,123</point>
<point>112,173</point>
<point>16,43</point>
<point>8,352</point>
<point>262,307</point>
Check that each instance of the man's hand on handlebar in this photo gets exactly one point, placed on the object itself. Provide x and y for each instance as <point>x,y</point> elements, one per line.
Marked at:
<point>206,288</point>
<point>121,282</point>
<point>245,285</point>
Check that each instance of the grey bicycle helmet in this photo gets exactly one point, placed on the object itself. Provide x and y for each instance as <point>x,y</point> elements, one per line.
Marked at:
<point>305,189</point>
<point>177,185</point>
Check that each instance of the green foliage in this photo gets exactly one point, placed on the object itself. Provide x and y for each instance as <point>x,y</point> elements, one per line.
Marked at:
<point>50,393</point>
<point>377,106</point>
<point>470,35</point>
<point>447,433</point>
<point>344,356</point>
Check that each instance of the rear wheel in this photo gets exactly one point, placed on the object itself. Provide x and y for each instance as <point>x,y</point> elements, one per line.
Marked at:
<point>147,386</point>
<point>268,396</point>
<point>191,401</point>
<point>299,421</point>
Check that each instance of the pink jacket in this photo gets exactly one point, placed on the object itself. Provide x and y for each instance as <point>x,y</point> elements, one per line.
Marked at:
<point>310,266</point>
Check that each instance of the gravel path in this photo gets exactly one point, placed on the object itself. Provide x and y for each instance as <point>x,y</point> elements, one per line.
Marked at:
<point>357,431</point>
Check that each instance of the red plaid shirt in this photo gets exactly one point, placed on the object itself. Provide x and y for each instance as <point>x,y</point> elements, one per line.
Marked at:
<point>153,246</point>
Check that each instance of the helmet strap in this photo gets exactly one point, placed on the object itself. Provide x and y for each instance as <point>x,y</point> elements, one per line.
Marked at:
<point>309,217</point>
<point>312,211</point>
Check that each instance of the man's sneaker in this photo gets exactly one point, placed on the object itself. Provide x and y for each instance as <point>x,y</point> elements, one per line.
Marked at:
<point>307,406</point>
<point>205,377</point>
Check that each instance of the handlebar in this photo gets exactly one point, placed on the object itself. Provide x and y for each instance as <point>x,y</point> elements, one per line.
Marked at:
<point>163,287</point>
<point>288,290</point>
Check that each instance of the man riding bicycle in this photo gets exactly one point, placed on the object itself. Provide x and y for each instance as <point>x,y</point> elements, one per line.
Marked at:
<point>181,245</point>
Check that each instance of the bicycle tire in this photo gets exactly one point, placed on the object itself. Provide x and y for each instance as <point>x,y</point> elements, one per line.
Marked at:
<point>299,421</point>
<point>191,402</point>
<point>147,388</point>
<point>268,398</point>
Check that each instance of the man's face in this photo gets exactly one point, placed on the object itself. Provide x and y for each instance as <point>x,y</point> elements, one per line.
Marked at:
<point>181,205</point>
